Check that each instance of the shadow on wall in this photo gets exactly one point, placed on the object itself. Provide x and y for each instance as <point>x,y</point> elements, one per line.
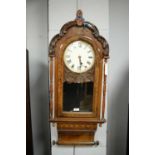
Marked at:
<point>118,116</point>
<point>40,109</point>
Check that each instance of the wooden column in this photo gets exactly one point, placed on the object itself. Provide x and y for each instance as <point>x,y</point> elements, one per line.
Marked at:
<point>51,73</point>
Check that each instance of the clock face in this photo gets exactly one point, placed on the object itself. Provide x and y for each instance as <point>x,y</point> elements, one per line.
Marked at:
<point>79,56</point>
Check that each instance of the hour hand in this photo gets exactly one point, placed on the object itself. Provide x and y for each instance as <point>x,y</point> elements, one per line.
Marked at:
<point>80,61</point>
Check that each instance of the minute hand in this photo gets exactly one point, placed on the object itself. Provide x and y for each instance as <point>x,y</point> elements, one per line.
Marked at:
<point>80,61</point>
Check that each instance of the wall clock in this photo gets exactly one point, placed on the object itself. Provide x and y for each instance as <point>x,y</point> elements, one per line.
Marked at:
<point>77,67</point>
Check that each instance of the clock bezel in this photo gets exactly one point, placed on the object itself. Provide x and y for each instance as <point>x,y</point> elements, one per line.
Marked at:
<point>75,71</point>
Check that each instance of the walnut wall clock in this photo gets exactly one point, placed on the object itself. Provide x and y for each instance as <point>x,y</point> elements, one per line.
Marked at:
<point>77,67</point>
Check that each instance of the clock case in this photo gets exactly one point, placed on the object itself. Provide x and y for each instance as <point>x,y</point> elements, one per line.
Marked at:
<point>77,127</point>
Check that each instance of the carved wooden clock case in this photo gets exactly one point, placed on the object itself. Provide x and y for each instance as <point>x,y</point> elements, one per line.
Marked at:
<point>77,67</point>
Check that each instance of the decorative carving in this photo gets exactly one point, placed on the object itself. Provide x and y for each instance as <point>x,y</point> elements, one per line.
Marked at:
<point>79,19</point>
<point>79,22</point>
<point>77,126</point>
<point>105,46</point>
<point>72,77</point>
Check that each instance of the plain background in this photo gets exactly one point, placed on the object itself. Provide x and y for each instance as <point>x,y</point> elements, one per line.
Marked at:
<point>44,20</point>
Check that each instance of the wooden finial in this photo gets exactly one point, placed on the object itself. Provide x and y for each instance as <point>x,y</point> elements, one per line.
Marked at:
<point>79,14</point>
<point>79,18</point>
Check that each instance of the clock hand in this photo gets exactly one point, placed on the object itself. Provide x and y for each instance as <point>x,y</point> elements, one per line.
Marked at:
<point>80,61</point>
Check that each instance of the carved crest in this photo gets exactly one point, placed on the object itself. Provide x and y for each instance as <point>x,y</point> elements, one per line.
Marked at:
<point>79,22</point>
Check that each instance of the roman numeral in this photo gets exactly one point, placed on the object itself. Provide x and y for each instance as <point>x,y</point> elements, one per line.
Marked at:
<point>85,46</point>
<point>89,51</point>
<point>67,56</point>
<point>79,67</point>
<point>90,57</point>
<point>88,63</point>
<point>72,66</point>
<point>69,50</point>
<point>79,44</point>
<point>69,61</point>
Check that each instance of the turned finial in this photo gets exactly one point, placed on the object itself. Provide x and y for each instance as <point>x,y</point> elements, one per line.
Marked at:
<point>79,18</point>
<point>79,14</point>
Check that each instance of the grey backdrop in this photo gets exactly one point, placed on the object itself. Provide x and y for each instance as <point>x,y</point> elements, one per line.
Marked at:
<point>118,78</point>
<point>37,44</point>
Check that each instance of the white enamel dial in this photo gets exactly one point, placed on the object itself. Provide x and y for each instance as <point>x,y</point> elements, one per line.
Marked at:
<point>79,56</point>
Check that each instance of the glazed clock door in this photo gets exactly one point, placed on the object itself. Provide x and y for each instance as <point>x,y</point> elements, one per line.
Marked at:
<point>77,97</point>
<point>78,76</point>
<point>79,57</point>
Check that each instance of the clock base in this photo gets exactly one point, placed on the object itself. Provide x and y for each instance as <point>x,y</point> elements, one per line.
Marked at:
<point>76,133</point>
